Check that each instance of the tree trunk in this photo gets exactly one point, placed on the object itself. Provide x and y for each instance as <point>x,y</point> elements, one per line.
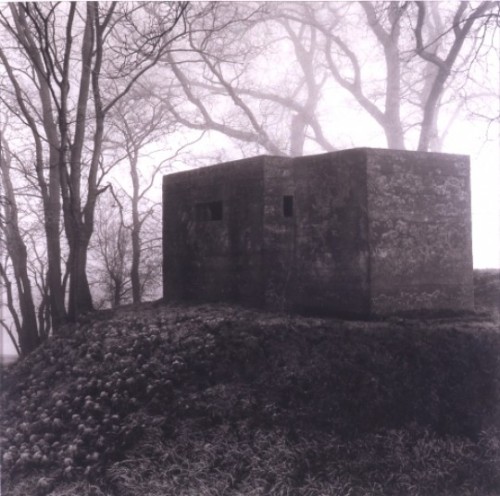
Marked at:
<point>461,28</point>
<point>117,297</point>
<point>134,271</point>
<point>390,41</point>
<point>80,299</point>
<point>297,136</point>
<point>28,329</point>
<point>136,229</point>
<point>50,192</point>
<point>54,276</point>
<point>430,111</point>
<point>393,128</point>
<point>29,339</point>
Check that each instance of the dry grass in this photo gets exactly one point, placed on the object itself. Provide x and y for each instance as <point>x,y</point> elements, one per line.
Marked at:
<point>270,462</point>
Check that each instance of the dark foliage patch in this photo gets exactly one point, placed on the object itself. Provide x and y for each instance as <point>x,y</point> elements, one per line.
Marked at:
<point>74,408</point>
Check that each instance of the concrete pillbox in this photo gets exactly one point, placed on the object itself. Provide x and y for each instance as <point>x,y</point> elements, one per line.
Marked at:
<point>358,232</point>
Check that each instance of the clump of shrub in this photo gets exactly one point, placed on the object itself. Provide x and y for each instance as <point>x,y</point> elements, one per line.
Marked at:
<point>80,400</point>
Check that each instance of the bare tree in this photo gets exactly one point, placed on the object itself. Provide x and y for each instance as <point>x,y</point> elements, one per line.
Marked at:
<point>71,65</point>
<point>230,49</point>
<point>416,72</point>
<point>463,22</point>
<point>400,62</point>
<point>112,248</point>
<point>141,121</point>
<point>20,105</point>
<point>16,321</point>
<point>26,324</point>
<point>112,254</point>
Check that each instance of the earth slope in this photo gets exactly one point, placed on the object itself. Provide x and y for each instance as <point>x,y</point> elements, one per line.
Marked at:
<point>224,400</point>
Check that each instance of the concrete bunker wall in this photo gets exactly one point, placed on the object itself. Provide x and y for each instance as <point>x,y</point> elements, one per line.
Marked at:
<point>212,233</point>
<point>317,259</point>
<point>355,232</point>
<point>420,231</point>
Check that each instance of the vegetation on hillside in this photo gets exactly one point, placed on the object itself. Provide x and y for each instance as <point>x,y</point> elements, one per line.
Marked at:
<point>221,400</point>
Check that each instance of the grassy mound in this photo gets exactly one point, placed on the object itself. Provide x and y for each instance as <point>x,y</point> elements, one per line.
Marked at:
<point>221,400</point>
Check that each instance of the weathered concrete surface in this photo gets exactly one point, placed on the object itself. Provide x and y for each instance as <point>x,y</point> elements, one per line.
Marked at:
<point>420,231</point>
<point>317,260</point>
<point>363,232</point>
<point>214,260</point>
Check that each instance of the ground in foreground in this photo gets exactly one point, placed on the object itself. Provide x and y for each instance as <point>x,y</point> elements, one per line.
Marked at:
<point>223,400</point>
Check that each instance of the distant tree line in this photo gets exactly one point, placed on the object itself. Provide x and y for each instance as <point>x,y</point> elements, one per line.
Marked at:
<point>89,90</point>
